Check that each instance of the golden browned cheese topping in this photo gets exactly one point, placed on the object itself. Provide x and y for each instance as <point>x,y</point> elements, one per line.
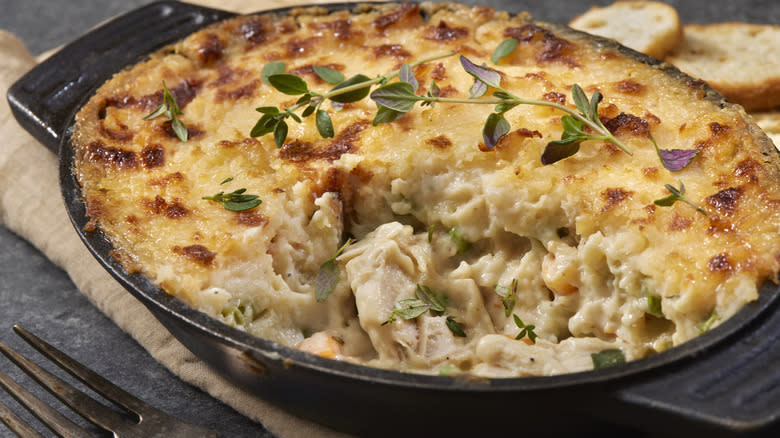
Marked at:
<point>577,248</point>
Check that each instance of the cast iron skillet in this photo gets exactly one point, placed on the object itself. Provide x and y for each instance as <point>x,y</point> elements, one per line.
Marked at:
<point>725,382</point>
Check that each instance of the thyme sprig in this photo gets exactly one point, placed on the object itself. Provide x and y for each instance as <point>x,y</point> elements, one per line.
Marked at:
<point>169,108</point>
<point>508,296</point>
<point>525,329</point>
<point>394,99</point>
<point>426,299</point>
<point>236,200</point>
<point>675,195</point>
<point>399,98</point>
<point>345,91</point>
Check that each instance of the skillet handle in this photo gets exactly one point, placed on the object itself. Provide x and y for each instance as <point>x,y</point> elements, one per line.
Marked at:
<point>731,390</point>
<point>44,100</point>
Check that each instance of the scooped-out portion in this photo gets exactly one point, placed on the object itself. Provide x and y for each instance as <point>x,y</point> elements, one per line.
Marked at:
<point>432,238</point>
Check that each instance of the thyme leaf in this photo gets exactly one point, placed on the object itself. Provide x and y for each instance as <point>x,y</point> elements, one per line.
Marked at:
<point>398,96</point>
<point>358,87</point>
<point>437,301</point>
<point>488,76</point>
<point>607,358</point>
<point>405,74</point>
<point>503,49</point>
<point>328,74</point>
<point>525,329</point>
<point>495,127</point>
<point>288,84</point>
<point>707,324</point>
<point>170,109</point>
<point>674,159</point>
<point>460,241</point>
<point>653,302</point>
<point>426,300</point>
<point>270,69</point>
<point>455,327</point>
<point>324,124</point>
<point>508,296</point>
<point>675,195</point>
<point>409,308</point>
<point>236,200</point>
<point>328,275</point>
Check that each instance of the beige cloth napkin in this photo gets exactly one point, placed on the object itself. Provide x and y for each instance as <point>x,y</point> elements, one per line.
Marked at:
<point>28,176</point>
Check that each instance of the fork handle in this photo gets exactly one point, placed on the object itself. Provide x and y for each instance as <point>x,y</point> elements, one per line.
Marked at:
<point>45,99</point>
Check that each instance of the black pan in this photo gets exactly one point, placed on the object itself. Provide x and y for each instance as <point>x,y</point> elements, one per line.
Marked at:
<point>725,382</point>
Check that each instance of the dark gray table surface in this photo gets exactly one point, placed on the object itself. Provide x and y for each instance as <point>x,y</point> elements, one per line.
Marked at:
<point>41,297</point>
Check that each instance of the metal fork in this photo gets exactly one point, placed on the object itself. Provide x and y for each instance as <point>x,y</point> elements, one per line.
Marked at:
<point>150,422</point>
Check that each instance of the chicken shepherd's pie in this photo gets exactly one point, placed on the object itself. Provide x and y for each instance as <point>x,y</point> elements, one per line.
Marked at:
<point>407,226</point>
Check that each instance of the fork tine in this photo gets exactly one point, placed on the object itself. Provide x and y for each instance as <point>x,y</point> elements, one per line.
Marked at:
<point>95,381</point>
<point>16,424</point>
<point>48,416</point>
<point>75,399</point>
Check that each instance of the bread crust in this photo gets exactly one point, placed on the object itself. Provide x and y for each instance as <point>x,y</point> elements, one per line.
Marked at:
<point>741,60</point>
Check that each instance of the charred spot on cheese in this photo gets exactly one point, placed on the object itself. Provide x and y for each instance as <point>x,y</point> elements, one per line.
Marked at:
<point>193,132</point>
<point>164,181</point>
<point>748,169</point>
<point>153,156</point>
<point>718,129</point>
<point>439,72</point>
<point>298,151</point>
<point>448,91</point>
<point>720,263</point>
<point>513,138</point>
<point>405,12</point>
<point>628,86</point>
<point>196,253</point>
<point>726,200</point>
<point>679,223</point>
<point>650,172</point>
<point>253,32</point>
<point>340,29</point>
<point>554,97</point>
<point>613,197</point>
<point>246,91</point>
<point>719,225</point>
<point>298,47</point>
<point>527,133</point>
<point>228,75</point>
<point>249,141</point>
<point>97,151</point>
<point>439,142</point>
<point>444,32</point>
<point>210,50</point>
<point>345,142</point>
<point>550,48</point>
<point>251,219</point>
<point>627,124</point>
<point>122,135</point>
<point>396,51</point>
<point>171,210</point>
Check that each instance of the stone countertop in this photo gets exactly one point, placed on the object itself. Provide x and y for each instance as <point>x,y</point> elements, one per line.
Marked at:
<point>40,297</point>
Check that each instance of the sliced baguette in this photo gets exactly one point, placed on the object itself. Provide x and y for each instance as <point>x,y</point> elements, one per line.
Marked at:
<point>740,60</point>
<point>652,28</point>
